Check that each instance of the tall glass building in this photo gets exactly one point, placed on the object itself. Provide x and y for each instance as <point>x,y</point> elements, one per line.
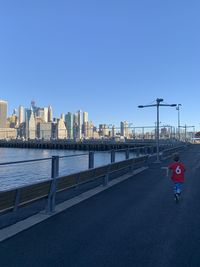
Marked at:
<point>80,124</point>
<point>69,120</point>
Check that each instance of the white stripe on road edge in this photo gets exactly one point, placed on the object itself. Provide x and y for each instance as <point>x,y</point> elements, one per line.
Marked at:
<point>39,217</point>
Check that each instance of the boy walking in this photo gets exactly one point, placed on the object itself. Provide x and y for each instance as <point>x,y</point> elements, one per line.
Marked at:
<point>177,175</point>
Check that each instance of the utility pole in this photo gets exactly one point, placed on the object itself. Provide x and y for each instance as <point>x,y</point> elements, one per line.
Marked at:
<point>178,108</point>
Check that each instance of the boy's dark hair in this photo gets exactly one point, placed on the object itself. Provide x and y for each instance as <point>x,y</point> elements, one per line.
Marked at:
<point>176,157</point>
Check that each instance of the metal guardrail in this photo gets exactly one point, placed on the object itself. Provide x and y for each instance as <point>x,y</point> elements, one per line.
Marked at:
<point>32,169</point>
<point>168,152</point>
<point>14,198</point>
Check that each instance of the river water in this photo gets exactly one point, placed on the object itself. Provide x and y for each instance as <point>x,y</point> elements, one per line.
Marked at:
<point>15,175</point>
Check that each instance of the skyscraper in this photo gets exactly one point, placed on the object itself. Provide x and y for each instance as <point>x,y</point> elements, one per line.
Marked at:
<point>50,114</point>
<point>30,124</point>
<point>32,127</point>
<point>61,129</point>
<point>113,131</point>
<point>62,116</point>
<point>69,120</point>
<point>85,126</point>
<point>80,123</point>
<point>124,129</point>
<point>34,108</point>
<point>103,130</point>
<point>75,125</point>
<point>3,113</point>
<point>43,114</point>
<point>21,115</point>
<point>85,117</point>
<point>46,114</point>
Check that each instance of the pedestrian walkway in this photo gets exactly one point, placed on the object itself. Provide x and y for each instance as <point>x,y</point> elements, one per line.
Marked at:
<point>134,223</point>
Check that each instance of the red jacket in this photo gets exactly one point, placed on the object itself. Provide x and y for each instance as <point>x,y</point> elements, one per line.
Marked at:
<point>178,170</point>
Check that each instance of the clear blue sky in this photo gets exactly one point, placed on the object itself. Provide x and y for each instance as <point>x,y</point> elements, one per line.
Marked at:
<point>102,56</point>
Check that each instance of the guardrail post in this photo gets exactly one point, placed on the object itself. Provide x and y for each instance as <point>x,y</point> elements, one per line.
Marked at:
<point>106,179</point>
<point>131,166</point>
<point>55,167</point>
<point>112,156</point>
<point>91,160</point>
<point>52,193</point>
<point>127,153</point>
<point>138,152</point>
<point>17,197</point>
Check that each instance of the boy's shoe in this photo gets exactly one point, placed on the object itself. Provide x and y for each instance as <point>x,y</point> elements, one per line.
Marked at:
<point>176,197</point>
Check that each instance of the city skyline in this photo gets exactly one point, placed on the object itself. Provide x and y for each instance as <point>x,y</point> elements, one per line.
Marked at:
<point>103,57</point>
<point>116,124</point>
<point>38,122</point>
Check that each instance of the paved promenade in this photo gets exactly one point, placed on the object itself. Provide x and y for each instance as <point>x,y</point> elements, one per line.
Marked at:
<point>135,223</point>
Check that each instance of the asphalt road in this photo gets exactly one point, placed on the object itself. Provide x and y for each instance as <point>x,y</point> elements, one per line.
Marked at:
<point>135,223</point>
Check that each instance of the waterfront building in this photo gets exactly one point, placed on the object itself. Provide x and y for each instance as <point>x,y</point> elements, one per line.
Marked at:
<point>21,131</point>
<point>46,114</point>
<point>61,131</point>
<point>103,130</point>
<point>80,124</point>
<point>13,121</point>
<point>43,114</point>
<point>45,130</point>
<point>95,134</point>
<point>150,135</point>
<point>3,113</point>
<point>86,125</point>
<point>38,121</point>
<point>30,124</point>
<point>8,133</point>
<point>50,114</point>
<point>34,108</point>
<point>31,127</point>
<point>62,116</point>
<point>75,126</point>
<point>88,129</point>
<point>124,129</point>
<point>113,134</point>
<point>164,133</point>
<point>69,121</point>
<point>21,115</point>
<point>85,117</point>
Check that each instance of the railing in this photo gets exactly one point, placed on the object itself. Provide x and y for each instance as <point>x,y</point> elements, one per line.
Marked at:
<point>168,152</point>
<point>12,199</point>
<point>25,172</point>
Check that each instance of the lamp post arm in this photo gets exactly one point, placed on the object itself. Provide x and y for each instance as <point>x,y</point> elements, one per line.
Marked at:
<point>147,106</point>
<point>167,105</point>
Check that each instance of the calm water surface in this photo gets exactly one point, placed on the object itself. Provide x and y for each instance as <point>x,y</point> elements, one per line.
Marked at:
<point>15,175</point>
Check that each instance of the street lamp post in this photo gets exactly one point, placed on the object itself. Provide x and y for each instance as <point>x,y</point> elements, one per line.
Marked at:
<point>178,108</point>
<point>157,105</point>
